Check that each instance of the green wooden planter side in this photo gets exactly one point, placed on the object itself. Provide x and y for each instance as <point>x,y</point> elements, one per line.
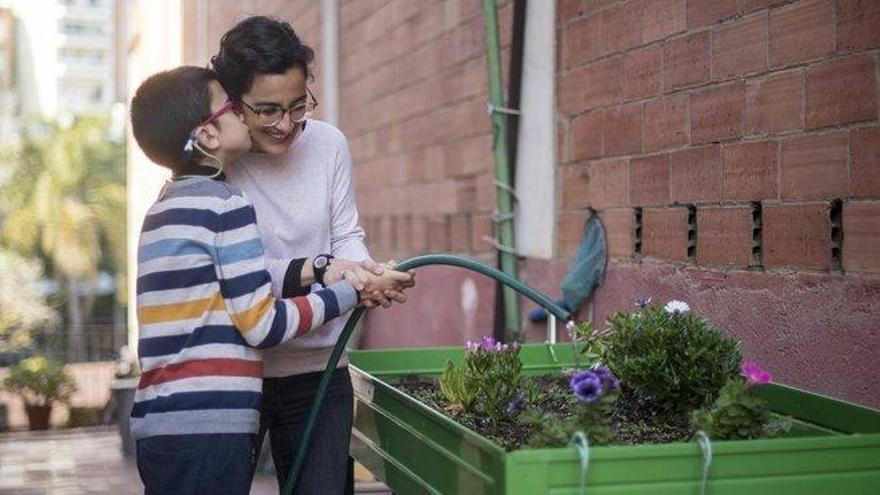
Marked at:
<point>834,447</point>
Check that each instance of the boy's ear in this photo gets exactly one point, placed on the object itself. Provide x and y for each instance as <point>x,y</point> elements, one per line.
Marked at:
<point>209,137</point>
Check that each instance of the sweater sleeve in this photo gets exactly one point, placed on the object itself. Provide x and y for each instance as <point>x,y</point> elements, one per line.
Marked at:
<point>245,285</point>
<point>346,235</point>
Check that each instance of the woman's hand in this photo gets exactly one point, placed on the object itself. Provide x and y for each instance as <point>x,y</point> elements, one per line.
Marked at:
<point>387,288</point>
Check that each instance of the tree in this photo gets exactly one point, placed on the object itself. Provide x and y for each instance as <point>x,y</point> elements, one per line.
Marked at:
<point>23,306</point>
<point>65,202</point>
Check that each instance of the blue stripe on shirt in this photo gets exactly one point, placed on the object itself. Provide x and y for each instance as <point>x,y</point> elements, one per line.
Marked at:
<point>172,344</point>
<point>331,307</point>
<point>279,325</point>
<point>248,283</point>
<point>196,217</point>
<point>171,247</point>
<point>241,251</point>
<point>194,401</point>
<point>176,279</point>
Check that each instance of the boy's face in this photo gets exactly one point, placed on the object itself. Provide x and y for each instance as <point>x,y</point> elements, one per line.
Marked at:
<point>235,138</point>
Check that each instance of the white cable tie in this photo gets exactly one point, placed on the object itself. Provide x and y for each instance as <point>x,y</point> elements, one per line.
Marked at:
<point>582,444</point>
<point>499,247</point>
<point>490,109</point>
<point>510,190</point>
<point>706,448</point>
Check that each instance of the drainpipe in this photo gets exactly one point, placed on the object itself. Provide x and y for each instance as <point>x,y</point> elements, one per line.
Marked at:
<point>330,61</point>
<point>504,191</point>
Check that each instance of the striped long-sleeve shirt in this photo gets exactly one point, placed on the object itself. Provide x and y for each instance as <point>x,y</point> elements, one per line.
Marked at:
<point>204,307</point>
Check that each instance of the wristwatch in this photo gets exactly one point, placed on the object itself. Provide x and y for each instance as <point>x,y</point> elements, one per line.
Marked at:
<point>320,264</point>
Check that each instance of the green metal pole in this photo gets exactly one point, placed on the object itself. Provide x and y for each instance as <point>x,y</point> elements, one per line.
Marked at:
<point>503,196</point>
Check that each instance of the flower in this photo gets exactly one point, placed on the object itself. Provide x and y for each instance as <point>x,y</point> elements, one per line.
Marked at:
<point>677,307</point>
<point>643,302</point>
<point>587,387</point>
<point>755,374</point>
<point>472,346</point>
<point>489,344</point>
<point>609,382</point>
<point>516,405</point>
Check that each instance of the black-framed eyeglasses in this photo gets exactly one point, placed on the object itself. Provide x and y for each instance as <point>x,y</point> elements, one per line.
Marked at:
<point>272,115</point>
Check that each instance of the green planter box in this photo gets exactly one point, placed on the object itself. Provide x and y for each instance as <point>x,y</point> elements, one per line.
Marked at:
<point>834,447</point>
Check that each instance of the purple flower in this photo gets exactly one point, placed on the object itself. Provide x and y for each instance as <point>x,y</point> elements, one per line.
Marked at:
<point>642,302</point>
<point>472,346</point>
<point>610,383</point>
<point>587,387</point>
<point>755,374</point>
<point>516,405</point>
<point>489,344</point>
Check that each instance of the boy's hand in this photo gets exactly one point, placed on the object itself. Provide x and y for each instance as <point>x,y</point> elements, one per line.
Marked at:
<point>382,290</point>
<point>357,273</point>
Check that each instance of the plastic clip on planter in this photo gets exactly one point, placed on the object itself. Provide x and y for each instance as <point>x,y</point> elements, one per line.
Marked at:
<point>430,259</point>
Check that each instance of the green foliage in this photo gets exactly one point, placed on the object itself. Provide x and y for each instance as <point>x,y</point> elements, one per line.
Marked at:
<point>23,307</point>
<point>594,420</point>
<point>737,414</point>
<point>495,374</point>
<point>587,343</point>
<point>40,382</point>
<point>676,362</point>
<point>458,389</point>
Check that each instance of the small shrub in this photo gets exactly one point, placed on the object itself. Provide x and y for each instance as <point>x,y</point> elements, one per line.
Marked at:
<point>40,382</point>
<point>670,357</point>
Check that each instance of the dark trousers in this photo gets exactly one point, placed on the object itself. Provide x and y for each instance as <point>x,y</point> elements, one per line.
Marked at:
<point>197,464</point>
<point>286,404</point>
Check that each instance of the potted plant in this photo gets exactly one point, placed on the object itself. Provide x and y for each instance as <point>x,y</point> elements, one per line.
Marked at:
<point>40,383</point>
<point>660,401</point>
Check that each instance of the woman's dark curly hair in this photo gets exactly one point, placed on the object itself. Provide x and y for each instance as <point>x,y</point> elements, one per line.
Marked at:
<point>258,45</point>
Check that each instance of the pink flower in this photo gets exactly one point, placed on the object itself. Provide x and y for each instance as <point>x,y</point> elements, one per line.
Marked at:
<point>755,375</point>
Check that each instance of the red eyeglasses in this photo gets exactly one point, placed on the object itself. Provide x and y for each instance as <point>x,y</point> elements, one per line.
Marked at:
<point>229,105</point>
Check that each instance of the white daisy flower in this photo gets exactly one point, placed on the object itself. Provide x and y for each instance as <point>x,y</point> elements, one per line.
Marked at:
<point>677,307</point>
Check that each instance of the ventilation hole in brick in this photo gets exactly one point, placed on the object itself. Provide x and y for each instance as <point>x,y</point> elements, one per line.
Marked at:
<point>757,233</point>
<point>835,214</point>
<point>692,232</point>
<point>637,236</point>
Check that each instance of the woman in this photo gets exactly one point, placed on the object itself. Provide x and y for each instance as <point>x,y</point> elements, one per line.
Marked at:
<point>298,176</point>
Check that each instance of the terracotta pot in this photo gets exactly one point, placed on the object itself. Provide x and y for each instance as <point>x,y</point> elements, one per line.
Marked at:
<point>38,416</point>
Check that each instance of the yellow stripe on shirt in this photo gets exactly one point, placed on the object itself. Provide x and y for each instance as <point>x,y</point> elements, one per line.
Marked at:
<point>180,311</point>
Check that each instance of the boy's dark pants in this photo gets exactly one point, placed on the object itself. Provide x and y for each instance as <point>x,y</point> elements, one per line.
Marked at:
<point>197,464</point>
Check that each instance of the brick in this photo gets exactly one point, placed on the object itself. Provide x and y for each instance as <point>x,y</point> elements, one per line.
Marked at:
<point>705,12</point>
<point>814,167</point>
<point>865,162</point>
<point>686,60</point>
<point>619,230</point>
<point>609,181</point>
<point>622,129</point>
<point>644,74</point>
<point>460,233</point>
<point>602,83</point>
<point>575,181</point>
<point>840,91</point>
<point>717,113</point>
<point>750,171</point>
<point>664,233</point>
<point>858,24</point>
<point>622,27</point>
<point>861,236</point>
<point>466,194</point>
<point>586,136</point>
<point>649,180</point>
<point>796,236</point>
<point>801,32</point>
<point>695,175</point>
<point>419,234</point>
<point>571,224</point>
<point>574,8</point>
<point>749,6</point>
<point>470,156</point>
<point>775,103</point>
<point>663,18</point>
<point>485,192</point>
<point>481,227</point>
<point>724,236</point>
<point>403,234</point>
<point>438,233</point>
<point>740,47</point>
<point>582,41</point>
<point>666,122</point>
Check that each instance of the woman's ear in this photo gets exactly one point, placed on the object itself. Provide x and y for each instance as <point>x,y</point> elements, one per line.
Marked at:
<point>208,137</point>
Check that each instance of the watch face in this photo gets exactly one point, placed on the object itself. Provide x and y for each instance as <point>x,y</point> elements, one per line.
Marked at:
<point>320,262</point>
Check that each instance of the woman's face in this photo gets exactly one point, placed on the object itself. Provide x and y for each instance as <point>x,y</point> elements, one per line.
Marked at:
<point>287,91</point>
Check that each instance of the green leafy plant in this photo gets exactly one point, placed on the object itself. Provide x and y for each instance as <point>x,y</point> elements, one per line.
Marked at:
<point>596,391</point>
<point>737,414</point>
<point>670,357</point>
<point>40,382</point>
<point>458,389</point>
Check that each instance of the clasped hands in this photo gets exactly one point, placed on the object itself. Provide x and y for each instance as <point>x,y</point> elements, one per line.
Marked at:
<point>378,284</point>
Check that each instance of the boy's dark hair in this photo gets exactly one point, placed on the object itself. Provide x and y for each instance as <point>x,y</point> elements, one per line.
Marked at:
<point>165,110</point>
<point>258,45</point>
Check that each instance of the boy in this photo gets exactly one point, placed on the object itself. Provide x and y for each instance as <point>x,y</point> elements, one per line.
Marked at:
<point>203,295</point>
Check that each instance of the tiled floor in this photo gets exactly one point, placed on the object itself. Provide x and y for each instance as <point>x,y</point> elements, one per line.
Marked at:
<point>85,461</point>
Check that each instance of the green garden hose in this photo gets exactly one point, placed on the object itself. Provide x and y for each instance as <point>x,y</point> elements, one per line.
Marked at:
<point>430,259</point>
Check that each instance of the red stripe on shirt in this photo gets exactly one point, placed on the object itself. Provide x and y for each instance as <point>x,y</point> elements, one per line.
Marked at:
<point>202,367</point>
<point>305,315</point>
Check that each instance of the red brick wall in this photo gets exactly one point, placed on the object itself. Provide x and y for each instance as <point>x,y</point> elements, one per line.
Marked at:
<point>732,121</point>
